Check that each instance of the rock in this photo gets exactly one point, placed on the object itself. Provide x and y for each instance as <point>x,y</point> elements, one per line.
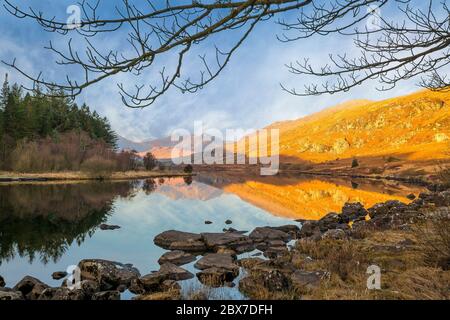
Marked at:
<point>330,221</point>
<point>208,222</point>
<point>122,288</point>
<point>179,240</point>
<point>250,263</point>
<point>173,272</point>
<point>216,277</point>
<point>271,243</point>
<point>309,228</point>
<point>228,221</point>
<point>170,285</point>
<point>230,229</point>
<point>226,250</point>
<point>411,196</point>
<point>104,226</point>
<point>275,252</point>
<point>388,207</point>
<point>108,274</point>
<point>89,287</point>
<point>273,280</point>
<point>264,234</point>
<point>335,234</point>
<point>166,295</point>
<point>62,294</point>
<point>229,240</point>
<point>30,287</point>
<point>176,257</point>
<point>352,211</point>
<point>8,294</point>
<point>307,279</point>
<point>106,295</point>
<point>217,260</point>
<point>291,229</point>
<point>58,275</point>
<point>2,282</point>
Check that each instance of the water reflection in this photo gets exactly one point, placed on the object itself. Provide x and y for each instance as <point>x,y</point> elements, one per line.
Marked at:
<point>47,227</point>
<point>43,220</point>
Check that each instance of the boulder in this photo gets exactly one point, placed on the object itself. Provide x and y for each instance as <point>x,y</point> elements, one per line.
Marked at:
<point>216,277</point>
<point>335,234</point>
<point>107,295</point>
<point>62,293</point>
<point>173,272</point>
<point>352,211</point>
<point>273,280</point>
<point>179,240</point>
<point>165,295</point>
<point>388,207</point>
<point>58,275</point>
<point>217,260</point>
<point>330,221</point>
<point>2,282</point>
<point>307,279</point>
<point>231,240</point>
<point>264,234</point>
<point>108,274</point>
<point>10,294</point>
<point>275,252</point>
<point>30,287</point>
<point>291,229</point>
<point>177,257</point>
<point>309,228</point>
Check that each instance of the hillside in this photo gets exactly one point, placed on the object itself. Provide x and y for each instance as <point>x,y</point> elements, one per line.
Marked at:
<point>414,127</point>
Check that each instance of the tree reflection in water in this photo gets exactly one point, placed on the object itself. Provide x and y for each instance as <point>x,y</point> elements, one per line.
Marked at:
<point>43,220</point>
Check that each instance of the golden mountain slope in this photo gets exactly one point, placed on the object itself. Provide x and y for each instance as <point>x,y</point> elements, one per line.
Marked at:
<point>416,126</point>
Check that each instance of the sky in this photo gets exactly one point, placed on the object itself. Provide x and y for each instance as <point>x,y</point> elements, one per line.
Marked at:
<point>246,95</point>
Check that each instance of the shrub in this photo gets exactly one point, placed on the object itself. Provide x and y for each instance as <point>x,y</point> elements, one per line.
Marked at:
<point>188,169</point>
<point>149,161</point>
<point>98,167</point>
<point>355,163</point>
<point>434,240</point>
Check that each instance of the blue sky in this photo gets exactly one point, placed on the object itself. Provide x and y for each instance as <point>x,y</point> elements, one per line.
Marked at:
<point>246,95</point>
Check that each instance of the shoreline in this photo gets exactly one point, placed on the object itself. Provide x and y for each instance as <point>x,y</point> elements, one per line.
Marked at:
<point>6,177</point>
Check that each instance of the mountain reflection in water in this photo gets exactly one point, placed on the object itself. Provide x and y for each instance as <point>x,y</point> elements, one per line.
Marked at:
<point>45,227</point>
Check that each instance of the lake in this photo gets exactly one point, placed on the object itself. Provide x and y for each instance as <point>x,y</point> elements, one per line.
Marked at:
<point>46,227</point>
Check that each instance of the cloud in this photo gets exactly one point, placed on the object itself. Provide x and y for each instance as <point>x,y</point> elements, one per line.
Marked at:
<point>246,95</point>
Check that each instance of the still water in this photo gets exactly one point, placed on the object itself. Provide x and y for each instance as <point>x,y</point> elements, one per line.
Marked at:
<point>46,227</point>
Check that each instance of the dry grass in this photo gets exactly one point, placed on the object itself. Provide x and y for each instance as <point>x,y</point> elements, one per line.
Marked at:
<point>413,271</point>
<point>79,175</point>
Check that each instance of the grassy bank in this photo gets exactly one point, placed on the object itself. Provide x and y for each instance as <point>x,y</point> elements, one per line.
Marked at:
<point>6,176</point>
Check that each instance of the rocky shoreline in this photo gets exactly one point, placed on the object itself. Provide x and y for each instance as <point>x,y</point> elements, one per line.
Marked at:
<point>284,271</point>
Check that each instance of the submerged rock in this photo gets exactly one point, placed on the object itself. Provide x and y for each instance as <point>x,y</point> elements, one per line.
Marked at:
<point>108,274</point>
<point>104,226</point>
<point>58,275</point>
<point>177,257</point>
<point>208,222</point>
<point>228,221</point>
<point>179,240</point>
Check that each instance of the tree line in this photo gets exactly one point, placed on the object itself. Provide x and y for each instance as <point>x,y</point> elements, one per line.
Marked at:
<point>42,132</point>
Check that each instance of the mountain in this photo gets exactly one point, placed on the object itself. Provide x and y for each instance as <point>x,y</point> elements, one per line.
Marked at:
<point>126,144</point>
<point>415,126</point>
